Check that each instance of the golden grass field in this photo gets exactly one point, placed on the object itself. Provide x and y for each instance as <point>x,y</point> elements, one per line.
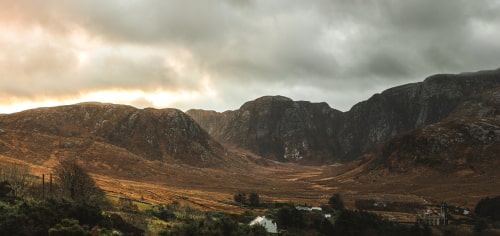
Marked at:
<point>211,188</point>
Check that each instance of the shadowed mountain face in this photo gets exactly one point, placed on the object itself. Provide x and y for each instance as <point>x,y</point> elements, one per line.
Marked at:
<point>279,128</point>
<point>468,137</point>
<point>166,134</point>
<point>406,107</point>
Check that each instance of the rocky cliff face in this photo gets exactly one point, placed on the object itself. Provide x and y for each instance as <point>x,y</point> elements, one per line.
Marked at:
<point>470,135</point>
<point>279,128</point>
<point>407,107</point>
<point>153,134</point>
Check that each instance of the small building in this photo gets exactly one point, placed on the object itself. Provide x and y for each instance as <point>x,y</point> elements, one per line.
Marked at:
<point>434,218</point>
<point>270,225</point>
<point>316,209</point>
<point>303,208</point>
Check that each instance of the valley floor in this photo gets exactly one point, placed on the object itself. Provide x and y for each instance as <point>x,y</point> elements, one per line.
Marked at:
<point>212,188</point>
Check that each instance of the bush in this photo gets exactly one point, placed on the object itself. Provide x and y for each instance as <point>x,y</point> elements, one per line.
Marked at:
<point>289,217</point>
<point>208,227</point>
<point>336,202</point>
<point>480,224</point>
<point>69,227</point>
<point>365,223</point>
<point>162,212</point>
<point>5,189</point>
<point>61,216</point>
<point>240,198</point>
<point>254,200</point>
<point>128,229</point>
<point>489,208</point>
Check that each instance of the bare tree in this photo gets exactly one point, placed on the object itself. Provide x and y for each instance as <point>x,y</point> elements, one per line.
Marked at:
<point>18,177</point>
<point>77,184</point>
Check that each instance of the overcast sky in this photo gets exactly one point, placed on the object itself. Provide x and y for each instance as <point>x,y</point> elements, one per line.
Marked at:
<point>219,54</point>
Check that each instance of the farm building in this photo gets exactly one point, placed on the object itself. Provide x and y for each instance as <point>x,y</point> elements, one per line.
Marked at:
<point>270,226</point>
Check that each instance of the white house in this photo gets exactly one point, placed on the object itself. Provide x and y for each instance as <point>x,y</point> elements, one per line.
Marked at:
<point>270,226</point>
<point>316,209</point>
<point>303,208</point>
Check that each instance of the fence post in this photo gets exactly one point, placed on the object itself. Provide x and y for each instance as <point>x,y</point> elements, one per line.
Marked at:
<point>43,186</point>
<point>50,186</point>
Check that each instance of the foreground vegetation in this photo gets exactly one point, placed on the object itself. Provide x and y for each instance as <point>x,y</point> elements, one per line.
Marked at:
<point>74,205</point>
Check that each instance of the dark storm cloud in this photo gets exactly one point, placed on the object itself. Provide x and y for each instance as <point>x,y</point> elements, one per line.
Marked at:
<point>322,50</point>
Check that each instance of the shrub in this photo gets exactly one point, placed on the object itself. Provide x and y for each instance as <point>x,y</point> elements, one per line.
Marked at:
<point>489,208</point>
<point>254,200</point>
<point>336,202</point>
<point>69,227</point>
<point>290,217</point>
<point>240,198</point>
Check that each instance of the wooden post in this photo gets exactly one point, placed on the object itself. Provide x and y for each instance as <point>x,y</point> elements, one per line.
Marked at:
<point>50,186</point>
<point>43,186</point>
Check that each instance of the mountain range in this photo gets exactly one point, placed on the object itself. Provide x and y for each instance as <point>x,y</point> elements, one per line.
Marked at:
<point>447,126</point>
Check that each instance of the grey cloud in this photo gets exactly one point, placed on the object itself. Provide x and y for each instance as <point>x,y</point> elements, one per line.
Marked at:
<point>46,69</point>
<point>256,47</point>
<point>147,74</point>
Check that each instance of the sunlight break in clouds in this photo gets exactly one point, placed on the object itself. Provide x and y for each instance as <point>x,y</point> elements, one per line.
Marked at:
<point>51,71</point>
<point>160,53</point>
<point>141,99</point>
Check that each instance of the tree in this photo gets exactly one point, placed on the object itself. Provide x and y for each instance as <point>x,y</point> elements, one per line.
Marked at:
<point>240,197</point>
<point>489,208</point>
<point>290,217</point>
<point>254,200</point>
<point>5,188</point>
<point>336,202</point>
<point>77,184</point>
<point>18,177</point>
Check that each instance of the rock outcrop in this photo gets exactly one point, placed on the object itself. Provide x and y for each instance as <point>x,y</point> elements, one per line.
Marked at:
<point>282,129</point>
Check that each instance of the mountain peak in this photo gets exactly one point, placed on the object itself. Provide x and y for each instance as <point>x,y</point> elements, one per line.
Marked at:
<point>266,101</point>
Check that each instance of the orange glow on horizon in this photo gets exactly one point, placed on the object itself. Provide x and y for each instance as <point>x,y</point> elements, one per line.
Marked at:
<point>137,98</point>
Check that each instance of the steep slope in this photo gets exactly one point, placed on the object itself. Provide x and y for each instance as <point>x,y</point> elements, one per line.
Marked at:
<point>467,140</point>
<point>166,134</point>
<point>454,160</point>
<point>277,128</point>
<point>410,106</point>
<point>282,129</point>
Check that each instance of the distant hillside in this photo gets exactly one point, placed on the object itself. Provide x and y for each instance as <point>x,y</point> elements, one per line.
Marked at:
<point>286,130</point>
<point>165,135</point>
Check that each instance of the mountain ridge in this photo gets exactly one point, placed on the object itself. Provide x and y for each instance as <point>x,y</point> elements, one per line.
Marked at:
<point>413,139</point>
<point>155,134</point>
<point>345,136</point>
